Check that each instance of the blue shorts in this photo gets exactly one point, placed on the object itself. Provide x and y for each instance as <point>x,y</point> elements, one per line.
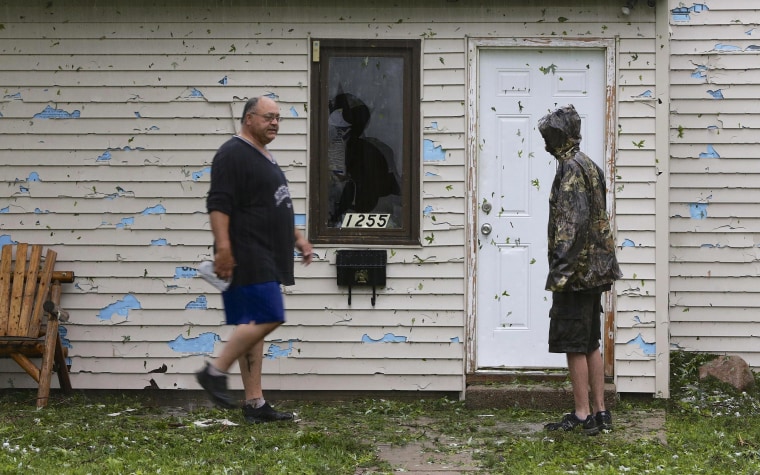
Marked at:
<point>258,303</point>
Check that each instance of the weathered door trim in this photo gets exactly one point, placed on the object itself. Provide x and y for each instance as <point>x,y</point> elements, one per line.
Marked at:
<point>474,45</point>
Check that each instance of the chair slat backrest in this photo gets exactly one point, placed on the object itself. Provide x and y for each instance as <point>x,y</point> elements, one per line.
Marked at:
<point>45,278</point>
<point>17,289</point>
<point>6,259</point>
<point>23,289</point>
<point>29,290</point>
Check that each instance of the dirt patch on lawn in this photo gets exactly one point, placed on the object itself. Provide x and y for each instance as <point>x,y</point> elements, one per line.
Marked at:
<point>440,454</point>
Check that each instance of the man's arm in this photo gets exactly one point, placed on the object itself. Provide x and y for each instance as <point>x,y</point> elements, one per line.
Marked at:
<point>303,245</point>
<point>224,261</point>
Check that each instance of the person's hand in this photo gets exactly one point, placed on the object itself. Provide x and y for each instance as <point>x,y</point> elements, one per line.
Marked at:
<point>224,263</point>
<point>304,246</point>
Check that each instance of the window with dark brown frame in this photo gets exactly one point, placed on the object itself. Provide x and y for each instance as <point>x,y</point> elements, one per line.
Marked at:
<point>365,154</point>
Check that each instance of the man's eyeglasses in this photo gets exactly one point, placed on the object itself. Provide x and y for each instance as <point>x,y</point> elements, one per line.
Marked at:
<point>268,117</point>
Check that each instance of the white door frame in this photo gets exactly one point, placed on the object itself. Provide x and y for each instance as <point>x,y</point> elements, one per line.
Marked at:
<point>474,45</point>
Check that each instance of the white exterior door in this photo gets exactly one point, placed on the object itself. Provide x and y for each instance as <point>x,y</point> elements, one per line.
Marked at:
<point>516,87</point>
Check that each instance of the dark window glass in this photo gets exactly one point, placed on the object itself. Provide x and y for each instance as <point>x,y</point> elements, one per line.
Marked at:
<point>365,142</point>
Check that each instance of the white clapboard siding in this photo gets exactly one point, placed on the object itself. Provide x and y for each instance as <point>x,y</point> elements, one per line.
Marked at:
<point>118,188</point>
<point>715,221</point>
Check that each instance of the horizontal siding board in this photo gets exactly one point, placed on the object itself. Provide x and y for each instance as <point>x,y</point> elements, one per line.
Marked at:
<point>734,345</point>
<point>295,366</point>
<point>368,318</point>
<point>270,382</point>
<point>716,329</point>
<point>306,350</point>
<point>636,384</point>
<point>707,299</point>
<point>714,269</point>
<point>746,315</point>
<point>625,303</point>
<point>385,301</point>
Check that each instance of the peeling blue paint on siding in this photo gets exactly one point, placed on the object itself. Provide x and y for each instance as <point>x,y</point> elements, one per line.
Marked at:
<point>427,211</point>
<point>200,303</point>
<point>39,211</point>
<point>23,189</point>
<point>698,210</point>
<point>649,349</point>
<point>158,209</point>
<point>700,72</point>
<point>684,13</point>
<point>431,174</point>
<point>185,272</point>
<point>137,114</point>
<point>13,97</point>
<point>120,307</point>
<point>159,242</point>
<point>196,93</point>
<point>454,340</point>
<point>300,219</point>
<point>6,239</point>
<point>722,47</point>
<point>710,153</point>
<point>716,94</point>
<point>50,113</point>
<point>387,338</point>
<point>647,93</point>
<point>125,222</point>
<point>104,157</point>
<point>432,153</point>
<point>628,243</point>
<point>434,125</point>
<point>275,351</point>
<point>203,343</point>
<point>223,81</point>
<point>34,176</point>
<point>65,342</point>
<point>199,174</point>
<point>293,111</point>
<point>7,209</point>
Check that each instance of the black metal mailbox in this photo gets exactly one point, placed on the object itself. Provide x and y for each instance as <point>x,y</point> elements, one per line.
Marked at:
<point>361,267</point>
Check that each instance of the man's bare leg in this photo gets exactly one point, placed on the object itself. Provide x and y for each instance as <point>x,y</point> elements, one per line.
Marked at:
<point>242,340</point>
<point>596,380</point>
<point>250,370</point>
<point>579,372</point>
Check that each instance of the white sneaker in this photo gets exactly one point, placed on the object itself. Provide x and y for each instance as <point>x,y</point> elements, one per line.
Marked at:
<point>206,271</point>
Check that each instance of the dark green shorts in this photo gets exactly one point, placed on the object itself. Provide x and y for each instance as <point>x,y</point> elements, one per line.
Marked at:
<point>576,325</point>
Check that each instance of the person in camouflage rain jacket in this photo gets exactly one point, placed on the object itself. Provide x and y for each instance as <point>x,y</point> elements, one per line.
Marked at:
<point>582,265</point>
<point>581,246</point>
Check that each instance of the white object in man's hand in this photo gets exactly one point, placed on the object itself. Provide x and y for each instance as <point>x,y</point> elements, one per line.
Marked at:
<point>206,271</point>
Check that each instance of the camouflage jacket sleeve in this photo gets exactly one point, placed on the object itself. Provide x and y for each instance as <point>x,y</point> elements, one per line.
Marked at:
<point>569,223</point>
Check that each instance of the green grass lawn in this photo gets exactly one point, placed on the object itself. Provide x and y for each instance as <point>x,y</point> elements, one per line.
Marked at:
<point>708,428</point>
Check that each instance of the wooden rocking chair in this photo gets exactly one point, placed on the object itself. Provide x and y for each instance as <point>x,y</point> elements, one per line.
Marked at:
<point>29,289</point>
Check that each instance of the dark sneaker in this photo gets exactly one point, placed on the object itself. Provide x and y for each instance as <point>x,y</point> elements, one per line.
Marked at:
<point>216,388</point>
<point>265,413</point>
<point>570,421</point>
<point>604,421</point>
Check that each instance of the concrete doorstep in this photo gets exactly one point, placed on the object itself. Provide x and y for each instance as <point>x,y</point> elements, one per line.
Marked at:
<point>546,397</point>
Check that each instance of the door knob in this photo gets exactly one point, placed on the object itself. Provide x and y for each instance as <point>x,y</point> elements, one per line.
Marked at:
<point>486,228</point>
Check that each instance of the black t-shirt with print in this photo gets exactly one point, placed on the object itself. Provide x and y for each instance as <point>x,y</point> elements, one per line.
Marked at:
<point>254,193</point>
